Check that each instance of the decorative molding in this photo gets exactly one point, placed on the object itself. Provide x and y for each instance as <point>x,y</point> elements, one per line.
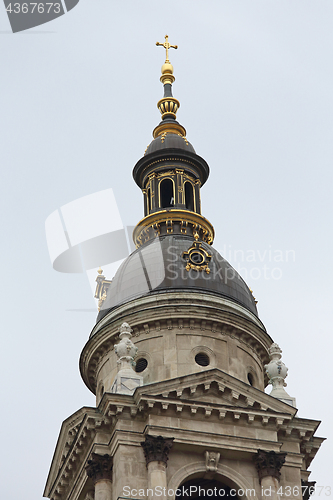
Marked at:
<point>99,467</point>
<point>144,230</point>
<point>269,463</point>
<point>212,461</point>
<point>156,448</point>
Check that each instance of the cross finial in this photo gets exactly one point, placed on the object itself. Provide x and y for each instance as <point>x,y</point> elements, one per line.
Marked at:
<point>167,46</point>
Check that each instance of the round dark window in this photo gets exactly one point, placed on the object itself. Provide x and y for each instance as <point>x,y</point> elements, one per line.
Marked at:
<point>197,258</point>
<point>202,359</point>
<point>141,365</point>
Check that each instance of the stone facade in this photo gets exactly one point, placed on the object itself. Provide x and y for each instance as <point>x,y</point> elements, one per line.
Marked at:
<point>210,412</point>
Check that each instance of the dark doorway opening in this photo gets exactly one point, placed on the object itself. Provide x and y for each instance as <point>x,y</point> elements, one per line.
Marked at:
<point>206,489</point>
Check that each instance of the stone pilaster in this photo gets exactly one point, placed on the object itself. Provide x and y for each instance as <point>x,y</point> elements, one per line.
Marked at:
<point>156,450</point>
<point>99,469</point>
<point>268,465</point>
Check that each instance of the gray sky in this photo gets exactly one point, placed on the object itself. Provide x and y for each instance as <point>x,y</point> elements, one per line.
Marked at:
<point>78,104</point>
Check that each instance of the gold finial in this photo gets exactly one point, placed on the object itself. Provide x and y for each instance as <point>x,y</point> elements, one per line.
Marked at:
<point>167,68</point>
<point>100,270</point>
<point>168,105</point>
<point>167,46</point>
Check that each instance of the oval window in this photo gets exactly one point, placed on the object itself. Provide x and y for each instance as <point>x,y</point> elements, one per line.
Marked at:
<point>202,359</point>
<point>141,365</point>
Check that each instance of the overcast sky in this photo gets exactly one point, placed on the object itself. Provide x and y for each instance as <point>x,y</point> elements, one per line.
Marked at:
<point>78,105</point>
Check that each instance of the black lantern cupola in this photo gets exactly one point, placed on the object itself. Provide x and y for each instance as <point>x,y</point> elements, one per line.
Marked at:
<point>171,174</point>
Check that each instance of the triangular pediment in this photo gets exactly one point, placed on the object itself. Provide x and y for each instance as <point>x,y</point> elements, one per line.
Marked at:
<point>218,388</point>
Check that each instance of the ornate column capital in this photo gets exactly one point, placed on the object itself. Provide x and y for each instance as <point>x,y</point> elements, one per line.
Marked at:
<point>156,448</point>
<point>269,463</point>
<point>99,467</point>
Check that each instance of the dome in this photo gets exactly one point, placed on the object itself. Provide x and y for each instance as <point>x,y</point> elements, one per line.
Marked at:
<point>169,140</point>
<point>160,266</point>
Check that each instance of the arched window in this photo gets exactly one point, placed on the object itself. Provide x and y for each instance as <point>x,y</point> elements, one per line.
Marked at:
<point>166,193</point>
<point>189,198</point>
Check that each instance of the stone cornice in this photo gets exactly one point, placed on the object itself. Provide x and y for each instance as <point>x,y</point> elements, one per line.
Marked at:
<point>231,390</point>
<point>159,300</point>
<point>222,412</point>
<point>300,429</point>
<point>309,448</point>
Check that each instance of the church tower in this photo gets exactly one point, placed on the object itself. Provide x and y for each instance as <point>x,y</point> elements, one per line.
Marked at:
<point>179,360</point>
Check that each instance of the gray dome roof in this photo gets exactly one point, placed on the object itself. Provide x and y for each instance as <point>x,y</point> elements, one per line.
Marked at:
<point>159,266</point>
<point>167,141</point>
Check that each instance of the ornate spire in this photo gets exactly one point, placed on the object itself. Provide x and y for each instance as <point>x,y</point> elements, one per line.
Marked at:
<point>168,105</point>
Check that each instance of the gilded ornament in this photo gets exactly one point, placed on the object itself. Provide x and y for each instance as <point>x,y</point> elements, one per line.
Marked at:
<point>101,288</point>
<point>167,46</point>
<point>196,223</point>
<point>197,258</point>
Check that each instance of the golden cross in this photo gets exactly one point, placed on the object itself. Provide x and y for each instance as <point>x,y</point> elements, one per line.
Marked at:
<point>167,46</point>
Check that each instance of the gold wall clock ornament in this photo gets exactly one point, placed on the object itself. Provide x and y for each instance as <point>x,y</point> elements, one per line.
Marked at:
<point>196,257</point>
